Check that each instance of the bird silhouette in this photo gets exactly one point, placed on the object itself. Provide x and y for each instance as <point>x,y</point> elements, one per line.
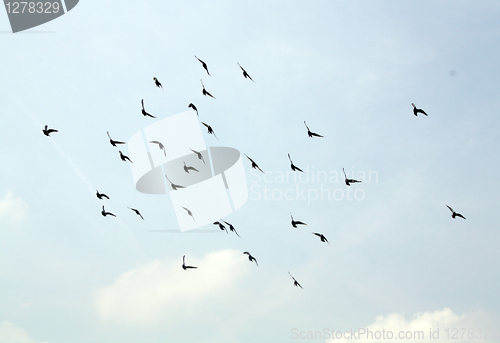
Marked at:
<point>455,214</point>
<point>296,222</point>
<point>191,105</point>
<point>174,186</point>
<point>221,226</point>
<point>144,113</point>
<point>157,83</point>
<point>200,156</point>
<point>187,169</point>
<point>184,264</point>
<point>294,168</point>
<point>101,195</point>
<point>349,181</point>
<point>322,237</point>
<point>417,110</point>
<point>104,213</point>
<point>210,130</point>
<point>295,283</point>
<point>245,74</point>
<point>204,91</point>
<point>161,146</point>
<point>113,143</point>
<point>48,131</point>
<point>124,158</point>
<point>251,258</point>
<point>137,212</point>
<point>203,64</point>
<point>189,213</point>
<point>309,133</point>
<point>231,228</point>
<point>254,165</point>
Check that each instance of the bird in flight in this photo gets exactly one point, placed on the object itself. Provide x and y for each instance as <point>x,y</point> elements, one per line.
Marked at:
<point>251,258</point>
<point>210,130</point>
<point>161,146</point>
<point>204,91</point>
<point>200,156</point>
<point>104,213</point>
<point>48,131</point>
<point>322,237</point>
<point>295,283</point>
<point>144,113</point>
<point>187,169</point>
<point>124,158</point>
<point>455,214</point>
<point>174,186</point>
<point>417,110</point>
<point>157,83</point>
<point>254,165</point>
<point>137,212</point>
<point>203,64</point>
<point>189,213</point>
<point>113,143</point>
<point>184,264</point>
<point>309,133</point>
<point>191,105</point>
<point>349,181</point>
<point>245,74</point>
<point>101,195</point>
<point>231,228</point>
<point>221,226</point>
<point>296,222</point>
<point>294,168</point>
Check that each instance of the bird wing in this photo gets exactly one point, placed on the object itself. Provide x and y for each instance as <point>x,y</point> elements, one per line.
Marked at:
<point>450,208</point>
<point>300,223</point>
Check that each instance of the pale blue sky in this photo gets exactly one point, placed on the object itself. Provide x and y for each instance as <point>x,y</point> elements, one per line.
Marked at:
<point>351,69</point>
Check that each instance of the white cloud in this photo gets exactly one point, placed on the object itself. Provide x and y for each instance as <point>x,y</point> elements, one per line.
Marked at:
<point>443,326</point>
<point>12,210</point>
<point>9,333</point>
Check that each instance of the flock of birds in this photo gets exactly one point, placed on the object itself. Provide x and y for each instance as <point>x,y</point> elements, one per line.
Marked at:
<point>47,131</point>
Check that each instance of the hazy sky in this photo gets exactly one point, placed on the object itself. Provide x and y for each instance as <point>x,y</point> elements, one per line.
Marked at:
<point>351,69</point>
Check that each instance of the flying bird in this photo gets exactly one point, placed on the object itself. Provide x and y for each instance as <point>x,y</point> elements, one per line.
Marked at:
<point>157,83</point>
<point>191,105</point>
<point>221,226</point>
<point>231,228</point>
<point>295,283</point>
<point>113,143</point>
<point>184,264</point>
<point>349,181</point>
<point>161,146</point>
<point>204,91</point>
<point>144,113</point>
<point>254,165</point>
<point>200,156</point>
<point>187,169</point>
<point>101,195</point>
<point>296,222</point>
<point>309,133</point>
<point>245,74</point>
<point>174,186</point>
<point>124,158</point>
<point>322,237</point>
<point>104,213</point>
<point>455,214</point>
<point>137,212</point>
<point>417,110</point>
<point>189,213</point>
<point>203,64</point>
<point>251,258</point>
<point>294,168</point>
<point>48,131</point>
<point>210,130</point>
